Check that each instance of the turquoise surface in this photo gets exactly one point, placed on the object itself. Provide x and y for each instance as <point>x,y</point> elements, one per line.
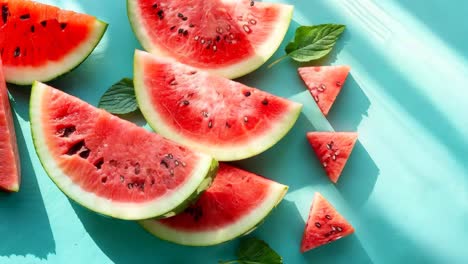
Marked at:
<point>405,188</point>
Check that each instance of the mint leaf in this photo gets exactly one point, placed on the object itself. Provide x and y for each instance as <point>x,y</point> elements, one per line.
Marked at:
<point>119,98</point>
<point>255,251</point>
<point>312,42</point>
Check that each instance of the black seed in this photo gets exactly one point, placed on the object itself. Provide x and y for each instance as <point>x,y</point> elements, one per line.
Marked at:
<point>328,217</point>
<point>63,25</point>
<point>210,124</point>
<point>137,168</point>
<point>17,52</point>
<point>67,131</point>
<point>171,171</point>
<point>338,83</point>
<point>252,3</point>
<point>186,102</point>
<point>161,14</point>
<point>170,156</point>
<point>265,101</point>
<point>33,29</point>
<point>181,31</point>
<point>318,225</point>
<point>98,163</point>
<point>130,186</point>
<point>339,229</point>
<point>155,5</point>
<point>185,32</point>
<point>122,178</point>
<point>218,38</point>
<point>184,18</point>
<point>25,16</point>
<point>44,23</point>
<point>172,28</point>
<point>228,125</point>
<point>205,114</point>
<point>5,13</point>
<point>75,148</point>
<point>85,153</point>
<point>247,94</point>
<point>192,72</point>
<point>176,163</point>
<point>104,179</point>
<point>164,163</point>
<point>180,15</point>
<point>191,25</point>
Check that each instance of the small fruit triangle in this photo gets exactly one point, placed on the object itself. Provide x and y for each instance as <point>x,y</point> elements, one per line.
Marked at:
<point>324,83</point>
<point>333,150</point>
<point>324,225</point>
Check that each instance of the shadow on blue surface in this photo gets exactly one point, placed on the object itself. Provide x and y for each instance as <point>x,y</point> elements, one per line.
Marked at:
<point>126,242</point>
<point>34,236</point>
<point>359,177</point>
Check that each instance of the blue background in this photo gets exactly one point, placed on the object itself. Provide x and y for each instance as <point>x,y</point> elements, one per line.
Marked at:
<point>404,188</point>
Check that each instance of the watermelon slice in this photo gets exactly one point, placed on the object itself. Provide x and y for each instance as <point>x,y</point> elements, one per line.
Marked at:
<point>324,225</point>
<point>234,205</point>
<point>9,161</point>
<point>110,165</point>
<point>223,118</point>
<point>333,150</point>
<point>42,42</point>
<point>324,83</point>
<point>226,37</point>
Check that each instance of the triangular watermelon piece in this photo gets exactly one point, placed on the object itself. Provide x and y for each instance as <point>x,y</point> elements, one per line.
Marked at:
<point>324,83</point>
<point>9,161</point>
<point>324,225</point>
<point>333,150</point>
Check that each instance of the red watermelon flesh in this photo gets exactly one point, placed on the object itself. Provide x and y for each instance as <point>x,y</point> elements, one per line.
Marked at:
<point>229,37</point>
<point>224,118</point>
<point>324,225</point>
<point>324,83</point>
<point>236,202</point>
<point>36,39</point>
<point>333,150</point>
<point>109,164</point>
<point>9,161</point>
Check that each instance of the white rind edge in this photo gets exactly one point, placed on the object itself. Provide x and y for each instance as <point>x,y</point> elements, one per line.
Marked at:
<point>242,226</point>
<point>262,53</point>
<point>25,75</point>
<point>222,153</point>
<point>122,210</point>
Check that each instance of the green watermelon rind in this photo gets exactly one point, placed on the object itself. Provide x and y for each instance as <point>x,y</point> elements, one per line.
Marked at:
<point>262,54</point>
<point>241,227</point>
<point>256,144</point>
<point>26,76</point>
<point>201,178</point>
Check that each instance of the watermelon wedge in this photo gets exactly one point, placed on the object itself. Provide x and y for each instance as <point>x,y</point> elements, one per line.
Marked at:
<point>223,118</point>
<point>324,83</point>
<point>42,42</point>
<point>226,37</point>
<point>333,150</point>
<point>110,165</point>
<point>10,174</point>
<point>235,204</point>
<point>324,225</point>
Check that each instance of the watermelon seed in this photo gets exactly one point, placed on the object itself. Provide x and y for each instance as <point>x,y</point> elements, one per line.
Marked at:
<point>160,14</point>
<point>339,229</point>
<point>104,179</point>
<point>215,48</point>
<point>130,186</point>
<point>202,41</point>
<point>247,28</point>
<point>33,29</point>
<point>253,21</point>
<point>98,163</point>
<point>164,163</point>
<point>196,38</point>
<point>122,178</point>
<point>44,23</point>
<point>180,15</point>
<point>252,3</point>
<point>67,131</point>
<point>155,5</point>
<point>247,94</point>
<point>25,16</point>
<point>183,164</point>
<point>324,164</point>
<point>328,217</point>
<point>219,30</point>
<point>323,86</point>
<point>210,124</point>
<point>170,156</point>
<point>63,26</point>
<point>246,119</point>
<point>228,125</point>
<point>76,148</point>
<point>172,28</point>
<point>17,52</point>
<point>330,145</point>
<point>338,83</point>
<point>205,114</point>
<point>218,38</point>
<point>181,31</point>
<point>152,180</point>
<point>171,171</point>
<point>85,153</point>
<point>265,101</point>
<point>192,72</point>
<point>137,168</point>
<point>333,228</point>
<point>184,18</point>
<point>231,35</point>
<point>333,157</point>
<point>185,32</point>
<point>191,25</point>
<point>5,13</point>
<point>173,82</point>
<point>318,225</point>
<point>186,102</point>
<point>176,163</point>
<point>337,152</point>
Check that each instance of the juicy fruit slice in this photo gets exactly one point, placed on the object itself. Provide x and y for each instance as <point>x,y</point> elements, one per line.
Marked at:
<point>110,165</point>
<point>324,225</point>
<point>223,118</point>
<point>230,38</point>
<point>235,204</point>
<point>9,161</point>
<point>42,42</point>
<point>333,150</point>
<point>324,83</point>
